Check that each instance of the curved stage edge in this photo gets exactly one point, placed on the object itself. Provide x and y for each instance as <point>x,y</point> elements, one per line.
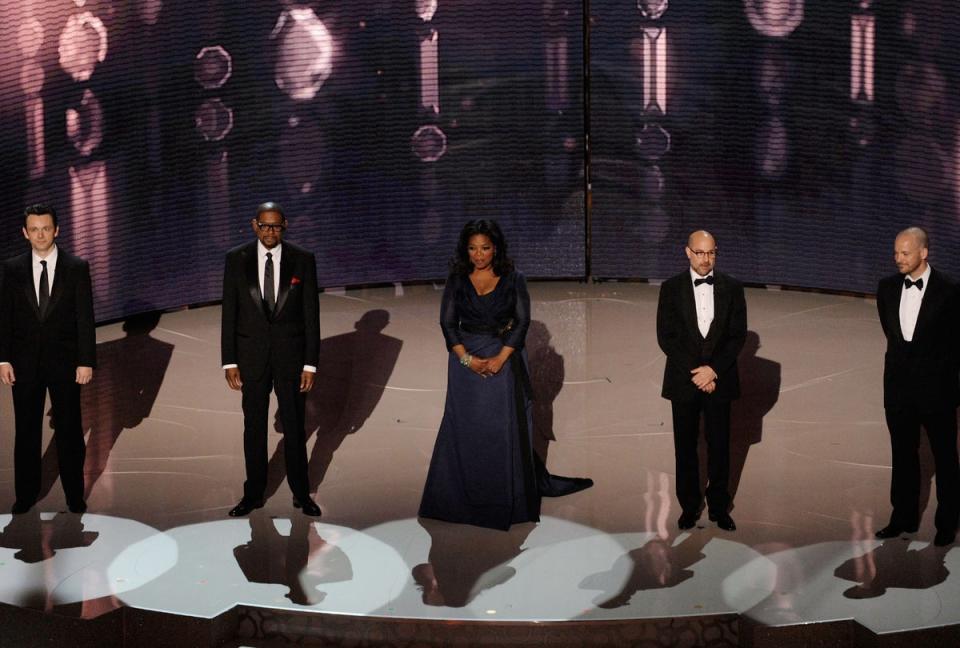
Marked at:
<point>156,562</point>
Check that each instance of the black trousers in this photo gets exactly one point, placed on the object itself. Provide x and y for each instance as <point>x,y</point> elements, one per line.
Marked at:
<point>941,426</point>
<point>28,402</point>
<point>256,405</point>
<point>686,432</point>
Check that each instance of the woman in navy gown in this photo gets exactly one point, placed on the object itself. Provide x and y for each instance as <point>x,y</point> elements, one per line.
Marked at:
<point>484,470</point>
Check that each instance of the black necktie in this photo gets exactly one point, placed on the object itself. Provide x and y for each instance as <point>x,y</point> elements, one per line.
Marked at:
<point>706,280</point>
<point>918,283</point>
<point>268,297</point>
<point>44,296</point>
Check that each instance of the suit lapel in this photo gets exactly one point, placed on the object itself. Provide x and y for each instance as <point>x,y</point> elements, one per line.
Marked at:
<point>56,290</point>
<point>28,290</point>
<point>287,261</point>
<point>928,306</point>
<point>688,304</point>
<point>253,281</point>
<point>720,303</point>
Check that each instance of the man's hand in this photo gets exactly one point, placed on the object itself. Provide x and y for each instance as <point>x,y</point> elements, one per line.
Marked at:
<point>306,381</point>
<point>84,375</point>
<point>703,376</point>
<point>6,374</point>
<point>233,378</point>
<point>709,389</point>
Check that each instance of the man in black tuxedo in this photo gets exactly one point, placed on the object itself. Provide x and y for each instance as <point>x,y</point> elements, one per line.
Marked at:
<point>701,327</point>
<point>919,312</point>
<point>270,339</point>
<point>47,342</point>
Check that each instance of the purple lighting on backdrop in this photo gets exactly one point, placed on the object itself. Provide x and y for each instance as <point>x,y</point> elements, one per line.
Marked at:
<point>29,41</point>
<point>863,30</point>
<point>85,124</point>
<point>429,72</point>
<point>212,67</point>
<point>652,9</point>
<point>653,53</point>
<point>83,44</point>
<point>774,18</point>
<point>304,53</point>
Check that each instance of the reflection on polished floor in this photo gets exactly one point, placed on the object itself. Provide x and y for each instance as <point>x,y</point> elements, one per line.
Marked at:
<point>810,464</point>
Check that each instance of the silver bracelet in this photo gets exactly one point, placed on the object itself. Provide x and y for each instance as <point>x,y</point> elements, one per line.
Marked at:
<point>466,359</point>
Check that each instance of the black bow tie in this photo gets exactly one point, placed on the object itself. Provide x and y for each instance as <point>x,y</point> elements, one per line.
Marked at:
<point>908,284</point>
<point>708,281</point>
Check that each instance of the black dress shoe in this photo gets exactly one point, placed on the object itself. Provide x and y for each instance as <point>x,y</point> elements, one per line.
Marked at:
<point>944,538</point>
<point>687,521</point>
<point>22,506</point>
<point>894,530</point>
<point>724,521</point>
<point>244,507</point>
<point>308,506</point>
<point>77,507</point>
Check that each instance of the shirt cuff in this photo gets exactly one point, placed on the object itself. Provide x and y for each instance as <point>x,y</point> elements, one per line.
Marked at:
<point>310,368</point>
<point>229,366</point>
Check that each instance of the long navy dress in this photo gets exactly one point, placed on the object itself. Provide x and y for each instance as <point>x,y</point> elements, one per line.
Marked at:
<point>484,470</point>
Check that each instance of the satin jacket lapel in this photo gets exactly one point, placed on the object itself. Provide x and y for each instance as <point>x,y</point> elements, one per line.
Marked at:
<point>28,289</point>
<point>720,303</point>
<point>287,261</point>
<point>893,310</point>
<point>688,304</point>
<point>929,305</point>
<point>253,282</point>
<point>56,290</point>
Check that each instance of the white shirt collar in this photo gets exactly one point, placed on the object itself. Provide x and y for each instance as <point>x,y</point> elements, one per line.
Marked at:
<point>51,258</point>
<point>275,251</point>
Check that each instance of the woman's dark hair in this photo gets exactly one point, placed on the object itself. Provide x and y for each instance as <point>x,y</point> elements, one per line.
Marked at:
<point>461,264</point>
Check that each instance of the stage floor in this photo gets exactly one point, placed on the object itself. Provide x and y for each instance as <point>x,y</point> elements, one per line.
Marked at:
<point>810,461</point>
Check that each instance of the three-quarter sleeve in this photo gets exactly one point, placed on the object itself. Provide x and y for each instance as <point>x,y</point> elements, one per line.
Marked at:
<point>449,320</point>
<point>521,314</point>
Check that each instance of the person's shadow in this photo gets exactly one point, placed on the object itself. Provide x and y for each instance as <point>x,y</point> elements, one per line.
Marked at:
<point>658,564</point>
<point>759,392</point>
<point>465,560</point>
<point>894,564</point>
<point>546,380</point>
<point>301,561</point>
<point>129,373</point>
<point>352,375</point>
<point>37,540</point>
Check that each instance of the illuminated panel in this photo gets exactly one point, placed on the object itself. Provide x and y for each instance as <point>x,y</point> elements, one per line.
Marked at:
<point>655,69</point>
<point>774,18</point>
<point>863,29</point>
<point>83,44</point>
<point>556,55</point>
<point>426,9</point>
<point>429,72</point>
<point>305,56</point>
<point>652,9</point>
<point>212,67</point>
<point>85,124</point>
<point>29,41</point>
<point>429,143</point>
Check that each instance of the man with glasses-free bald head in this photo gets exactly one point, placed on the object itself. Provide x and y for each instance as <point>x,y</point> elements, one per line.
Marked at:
<point>919,310</point>
<point>701,327</point>
<point>270,341</point>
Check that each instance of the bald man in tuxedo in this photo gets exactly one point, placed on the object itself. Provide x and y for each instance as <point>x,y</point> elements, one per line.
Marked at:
<point>701,327</point>
<point>919,309</point>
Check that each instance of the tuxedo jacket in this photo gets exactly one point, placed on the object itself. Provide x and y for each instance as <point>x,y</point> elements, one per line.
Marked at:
<point>686,349</point>
<point>53,346</point>
<point>923,372</point>
<point>254,339</point>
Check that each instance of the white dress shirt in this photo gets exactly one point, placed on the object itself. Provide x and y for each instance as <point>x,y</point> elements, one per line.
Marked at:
<point>261,264</point>
<point>703,294</point>
<point>51,260</point>
<point>910,301</point>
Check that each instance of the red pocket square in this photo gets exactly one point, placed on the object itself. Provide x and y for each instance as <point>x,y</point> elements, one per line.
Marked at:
<point>294,281</point>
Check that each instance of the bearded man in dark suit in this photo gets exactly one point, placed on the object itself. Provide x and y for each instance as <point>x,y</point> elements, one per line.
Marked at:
<point>270,340</point>
<point>701,327</point>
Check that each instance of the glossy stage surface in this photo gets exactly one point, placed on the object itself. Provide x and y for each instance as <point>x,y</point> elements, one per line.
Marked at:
<point>811,471</point>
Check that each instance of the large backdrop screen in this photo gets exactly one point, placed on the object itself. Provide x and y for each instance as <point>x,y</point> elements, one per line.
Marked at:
<point>804,133</point>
